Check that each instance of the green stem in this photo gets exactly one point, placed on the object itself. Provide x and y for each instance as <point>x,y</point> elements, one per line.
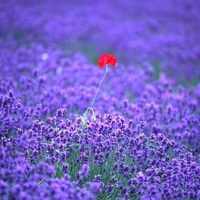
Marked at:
<point>85,117</point>
<point>90,108</point>
<point>99,86</point>
<point>42,180</point>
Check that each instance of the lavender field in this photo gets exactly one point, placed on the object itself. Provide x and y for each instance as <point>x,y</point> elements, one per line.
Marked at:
<point>142,139</point>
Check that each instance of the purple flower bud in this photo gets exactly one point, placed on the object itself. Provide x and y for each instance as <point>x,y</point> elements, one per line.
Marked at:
<point>140,177</point>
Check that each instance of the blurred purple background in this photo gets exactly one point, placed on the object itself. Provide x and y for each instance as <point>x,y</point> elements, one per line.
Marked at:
<point>163,33</point>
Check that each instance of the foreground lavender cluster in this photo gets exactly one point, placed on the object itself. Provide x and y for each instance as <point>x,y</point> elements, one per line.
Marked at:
<point>145,141</point>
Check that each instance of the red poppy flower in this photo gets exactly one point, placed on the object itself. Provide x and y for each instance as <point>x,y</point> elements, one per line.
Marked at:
<point>107,59</point>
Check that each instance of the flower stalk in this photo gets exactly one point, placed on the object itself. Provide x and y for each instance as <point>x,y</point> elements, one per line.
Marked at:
<point>104,60</point>
<point>84,118</point>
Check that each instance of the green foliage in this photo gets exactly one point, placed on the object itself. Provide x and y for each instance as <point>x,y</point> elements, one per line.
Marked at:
<point>73,166</point>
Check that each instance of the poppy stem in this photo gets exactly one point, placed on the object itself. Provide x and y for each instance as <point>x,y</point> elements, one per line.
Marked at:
<point>84,118</point>
<point>99,86</point>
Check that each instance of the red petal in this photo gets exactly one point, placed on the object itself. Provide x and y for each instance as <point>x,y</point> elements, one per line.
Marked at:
<point>103,56</point>
<point>113,62</point>
<point>107,59</point>
<point>101,64</point>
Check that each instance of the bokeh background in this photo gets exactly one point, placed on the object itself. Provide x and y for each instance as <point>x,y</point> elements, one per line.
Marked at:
<point>165,34</point>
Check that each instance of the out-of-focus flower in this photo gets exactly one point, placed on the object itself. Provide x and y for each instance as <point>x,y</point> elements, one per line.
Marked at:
<point>107,59</point>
